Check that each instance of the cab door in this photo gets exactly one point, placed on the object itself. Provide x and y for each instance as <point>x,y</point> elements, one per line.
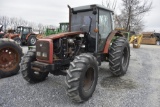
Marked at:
<point>105,27</point>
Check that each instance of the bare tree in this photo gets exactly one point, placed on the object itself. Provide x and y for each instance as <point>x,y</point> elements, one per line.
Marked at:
<point>111,4</point>
<point>5,21</point>
<point>133,11</point>
<point>14,22</point>
<point>40,27</point>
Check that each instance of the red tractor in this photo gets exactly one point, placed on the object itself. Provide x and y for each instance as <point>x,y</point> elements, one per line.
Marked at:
<point>22,35</point>
<point>10,56</point>
<point>78,53</point>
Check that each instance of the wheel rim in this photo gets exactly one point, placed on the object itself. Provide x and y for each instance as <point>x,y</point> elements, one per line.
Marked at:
<point>33,40</point>
<point>8,59</point>
<point>125,57</point>
<point>88,79</point>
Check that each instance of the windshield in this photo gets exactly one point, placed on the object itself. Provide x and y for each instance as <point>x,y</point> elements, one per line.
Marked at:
<point>81,22</point>
<point>26,30</point>
<point>64,28</point>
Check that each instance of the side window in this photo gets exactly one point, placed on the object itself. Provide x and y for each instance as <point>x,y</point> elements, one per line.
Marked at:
<point>105,24</point>
<point>105,27</point>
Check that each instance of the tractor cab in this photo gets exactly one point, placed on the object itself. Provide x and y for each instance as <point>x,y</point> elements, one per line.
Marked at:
<point>96,20</point>
<point>24,30</point>
<point>64,26</point>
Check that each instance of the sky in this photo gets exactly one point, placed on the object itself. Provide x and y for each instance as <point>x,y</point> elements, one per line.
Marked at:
<point>52,12</point>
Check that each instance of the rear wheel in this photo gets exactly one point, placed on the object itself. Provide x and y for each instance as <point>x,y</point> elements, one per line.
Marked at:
<point>29,74</point>
<point>81,79</point>
<point>10,57</point>
<point>119,56</point>
<point>31,40</point>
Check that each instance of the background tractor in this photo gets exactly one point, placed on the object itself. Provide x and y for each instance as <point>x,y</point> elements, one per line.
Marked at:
<point>26,35</point>
<point>78,53</point>
<point>11,34</point>
<point>10,57</point>
<point>63,27</point>
<point>22,35</point>
<point>126,34</point>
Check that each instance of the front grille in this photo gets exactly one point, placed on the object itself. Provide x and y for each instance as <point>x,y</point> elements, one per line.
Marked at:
<point>42,47</point>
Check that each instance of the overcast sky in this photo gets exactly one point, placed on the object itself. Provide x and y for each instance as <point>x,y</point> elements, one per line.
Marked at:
<point>54,11</point>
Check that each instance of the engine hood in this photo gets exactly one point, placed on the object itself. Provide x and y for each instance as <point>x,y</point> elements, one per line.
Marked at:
<point>60,35</point>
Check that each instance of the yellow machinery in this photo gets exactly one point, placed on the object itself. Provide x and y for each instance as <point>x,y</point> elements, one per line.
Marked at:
<point>149,38</point>
<point>136,40</point>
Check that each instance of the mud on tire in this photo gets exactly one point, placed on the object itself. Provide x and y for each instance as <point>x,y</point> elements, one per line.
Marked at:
<point>10,57</point>
<point>29,74</point>
<point>82,77</point>
<point>119,56</point>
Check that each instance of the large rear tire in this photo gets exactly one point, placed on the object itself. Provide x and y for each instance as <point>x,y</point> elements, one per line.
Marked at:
<point>10,57</point>
<point>119,56</point>
<point>81,79</point>
<point>29,74</point>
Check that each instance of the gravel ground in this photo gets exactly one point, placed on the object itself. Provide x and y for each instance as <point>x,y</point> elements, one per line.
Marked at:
<point>138,88</point>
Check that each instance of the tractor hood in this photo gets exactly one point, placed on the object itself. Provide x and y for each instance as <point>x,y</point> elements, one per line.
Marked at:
<point>60,35</point>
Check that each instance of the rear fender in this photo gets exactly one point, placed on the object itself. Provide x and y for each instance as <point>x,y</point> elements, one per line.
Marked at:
<point>29,35</point>
<point>109,39</point>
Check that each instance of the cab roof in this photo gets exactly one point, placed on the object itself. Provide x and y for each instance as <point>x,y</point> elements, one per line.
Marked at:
<point>24,27</point>
<point>90,7</point>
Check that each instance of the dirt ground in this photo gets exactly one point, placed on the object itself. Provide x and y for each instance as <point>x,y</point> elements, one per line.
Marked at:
<point>140,87</point>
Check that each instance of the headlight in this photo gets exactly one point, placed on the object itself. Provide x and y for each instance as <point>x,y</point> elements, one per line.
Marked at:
<point>44,54</point>
<point>38,53</point>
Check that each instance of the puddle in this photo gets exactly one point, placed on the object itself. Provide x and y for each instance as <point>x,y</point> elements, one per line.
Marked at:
<point>117,83</point>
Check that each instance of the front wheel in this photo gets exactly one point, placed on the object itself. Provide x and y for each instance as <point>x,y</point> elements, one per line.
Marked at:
<point>81,79</point>
<point>119,56</point>
<point>29,74</point>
